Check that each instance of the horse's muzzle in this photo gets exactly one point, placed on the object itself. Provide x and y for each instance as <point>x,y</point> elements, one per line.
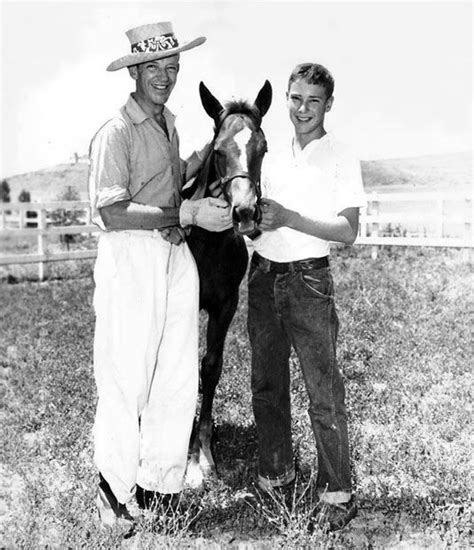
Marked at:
<point>246,219</point>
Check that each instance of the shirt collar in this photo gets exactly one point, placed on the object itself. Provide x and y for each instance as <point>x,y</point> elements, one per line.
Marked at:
<point>316,143</point>
<point>138,115</point>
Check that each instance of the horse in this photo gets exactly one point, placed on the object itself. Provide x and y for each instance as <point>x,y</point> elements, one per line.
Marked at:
<point>232,171</point>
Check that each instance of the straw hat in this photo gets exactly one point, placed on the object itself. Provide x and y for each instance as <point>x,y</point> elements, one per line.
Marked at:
<point>150,42</point>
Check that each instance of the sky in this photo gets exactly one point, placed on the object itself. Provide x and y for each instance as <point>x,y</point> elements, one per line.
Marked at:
<point>403,71</point>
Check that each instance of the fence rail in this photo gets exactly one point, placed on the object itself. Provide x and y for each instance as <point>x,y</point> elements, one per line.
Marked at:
<point>34,219</point>
<point>16,221</point>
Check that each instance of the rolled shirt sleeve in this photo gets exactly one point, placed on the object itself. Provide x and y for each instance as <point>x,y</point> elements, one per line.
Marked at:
<point>109,172</point>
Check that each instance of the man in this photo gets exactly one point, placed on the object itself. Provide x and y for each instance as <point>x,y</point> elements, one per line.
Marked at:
<point>313,197</point>
<point>146,296</point>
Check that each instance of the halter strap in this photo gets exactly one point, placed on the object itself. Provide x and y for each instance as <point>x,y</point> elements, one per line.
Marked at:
<point>224,181</point>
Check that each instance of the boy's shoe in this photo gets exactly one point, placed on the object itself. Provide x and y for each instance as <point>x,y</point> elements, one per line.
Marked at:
<point>111,511</point>
<point>153,500</point>
<point>333,516</point>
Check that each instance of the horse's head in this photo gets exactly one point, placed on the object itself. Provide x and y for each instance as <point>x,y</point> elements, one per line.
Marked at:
<point>239,147</point>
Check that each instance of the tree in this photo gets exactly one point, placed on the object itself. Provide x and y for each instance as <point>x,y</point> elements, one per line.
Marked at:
<point>5,191</point>
<point>24,196</point>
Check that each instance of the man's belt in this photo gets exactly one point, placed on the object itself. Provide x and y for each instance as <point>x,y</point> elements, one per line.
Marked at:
<point>289,267</point>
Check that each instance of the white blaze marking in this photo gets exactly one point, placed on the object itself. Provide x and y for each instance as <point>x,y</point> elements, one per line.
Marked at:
<point>242,138</point>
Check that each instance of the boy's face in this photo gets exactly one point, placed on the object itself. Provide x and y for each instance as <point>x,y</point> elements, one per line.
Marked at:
<point>307,106</point>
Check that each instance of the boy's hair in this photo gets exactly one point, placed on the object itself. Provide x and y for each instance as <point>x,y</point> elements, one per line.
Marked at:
<point>312,73</point>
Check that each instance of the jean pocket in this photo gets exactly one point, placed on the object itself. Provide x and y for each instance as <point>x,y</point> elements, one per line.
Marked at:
<point>318,281</point>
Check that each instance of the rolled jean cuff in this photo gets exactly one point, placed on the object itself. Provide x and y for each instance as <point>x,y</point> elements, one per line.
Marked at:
<point>334,497</point>
<point>267,484</point>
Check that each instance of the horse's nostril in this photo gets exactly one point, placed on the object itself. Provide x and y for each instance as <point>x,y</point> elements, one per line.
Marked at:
<point>243,214</point>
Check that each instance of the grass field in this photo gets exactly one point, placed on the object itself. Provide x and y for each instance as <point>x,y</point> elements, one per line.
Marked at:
<point>406,354</point>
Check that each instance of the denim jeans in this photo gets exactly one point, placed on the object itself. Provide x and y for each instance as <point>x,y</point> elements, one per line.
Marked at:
<point>297,309</point>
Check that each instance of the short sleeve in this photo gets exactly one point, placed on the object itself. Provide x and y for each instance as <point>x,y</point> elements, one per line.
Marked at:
<point>349,185</point>
<point>109,172</point>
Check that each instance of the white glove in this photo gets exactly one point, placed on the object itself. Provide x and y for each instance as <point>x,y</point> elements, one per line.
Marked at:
<point>209,213</point>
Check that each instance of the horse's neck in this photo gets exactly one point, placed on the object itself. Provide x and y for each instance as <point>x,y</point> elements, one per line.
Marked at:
<point>203,178</point>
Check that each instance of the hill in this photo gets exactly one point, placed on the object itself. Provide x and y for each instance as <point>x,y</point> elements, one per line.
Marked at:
<point>50,183</point>
<point>434,172</point>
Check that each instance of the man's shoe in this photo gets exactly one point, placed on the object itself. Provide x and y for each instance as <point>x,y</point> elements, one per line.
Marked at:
<point>159,502</point>
<point>333,517</point>
<point>111,511</point>
<point>145,498</point>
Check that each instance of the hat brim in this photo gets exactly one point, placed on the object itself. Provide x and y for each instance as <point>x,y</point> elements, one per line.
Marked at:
<point>143,57</point>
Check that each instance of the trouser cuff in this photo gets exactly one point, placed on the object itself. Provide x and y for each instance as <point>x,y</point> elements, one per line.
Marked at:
<point>334,497</point>
<point>267,484</point>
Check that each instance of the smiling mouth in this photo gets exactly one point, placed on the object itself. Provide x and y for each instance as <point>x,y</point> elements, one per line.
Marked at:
<point>303,119</point>
<point>160,87</point>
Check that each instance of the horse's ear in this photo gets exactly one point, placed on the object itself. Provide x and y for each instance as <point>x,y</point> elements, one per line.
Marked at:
<point>211,105</point>
<point>264,98</point>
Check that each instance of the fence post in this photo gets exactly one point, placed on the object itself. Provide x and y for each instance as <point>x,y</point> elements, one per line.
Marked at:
<point>363,229</point>
<point>88,216</point>
<point>41,243</point>
<point>22,218</point>
<point>375,210</point>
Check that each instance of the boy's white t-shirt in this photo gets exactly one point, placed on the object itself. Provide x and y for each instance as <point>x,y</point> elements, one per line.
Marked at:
<point>318,182</point>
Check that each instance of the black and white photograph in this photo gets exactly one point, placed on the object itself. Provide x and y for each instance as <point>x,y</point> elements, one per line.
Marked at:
<point>236,274</point>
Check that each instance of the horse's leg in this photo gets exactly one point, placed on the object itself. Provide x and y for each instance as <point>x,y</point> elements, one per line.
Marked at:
<point>211,369</point>
<point>201,462</point>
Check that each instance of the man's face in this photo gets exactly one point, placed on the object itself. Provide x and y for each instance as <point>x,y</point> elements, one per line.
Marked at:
<point>155,80</point>
<point>307,106</point>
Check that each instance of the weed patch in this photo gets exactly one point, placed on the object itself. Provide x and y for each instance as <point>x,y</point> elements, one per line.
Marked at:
<point>404,349</point>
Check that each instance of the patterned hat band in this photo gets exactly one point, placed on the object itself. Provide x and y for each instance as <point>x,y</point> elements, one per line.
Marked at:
<point>156,44</point>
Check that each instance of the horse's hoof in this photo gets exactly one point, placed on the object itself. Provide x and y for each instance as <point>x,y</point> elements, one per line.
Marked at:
<point>207,465</point>
<point>194,476</point>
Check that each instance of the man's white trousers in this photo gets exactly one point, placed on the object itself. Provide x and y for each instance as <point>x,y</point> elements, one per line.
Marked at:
<point>145,360</point>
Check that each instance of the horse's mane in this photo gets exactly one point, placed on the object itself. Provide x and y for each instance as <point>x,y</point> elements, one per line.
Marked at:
<point>242,107</point>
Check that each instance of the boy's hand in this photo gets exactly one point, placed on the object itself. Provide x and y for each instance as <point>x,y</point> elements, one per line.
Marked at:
<point>274,215</point>
<point>216,189</point>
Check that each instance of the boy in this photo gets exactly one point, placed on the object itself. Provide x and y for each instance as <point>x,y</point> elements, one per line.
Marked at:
<point>313,195</point>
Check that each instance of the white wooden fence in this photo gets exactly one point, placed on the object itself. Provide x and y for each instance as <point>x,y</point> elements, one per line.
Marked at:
<point>375,225</point>
<point>14,221</point>
<point>430,209</point>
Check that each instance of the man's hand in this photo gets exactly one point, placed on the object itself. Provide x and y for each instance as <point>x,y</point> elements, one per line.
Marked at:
<point>274,215</point>
<point>209,213</point>
<point>174,235</point>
